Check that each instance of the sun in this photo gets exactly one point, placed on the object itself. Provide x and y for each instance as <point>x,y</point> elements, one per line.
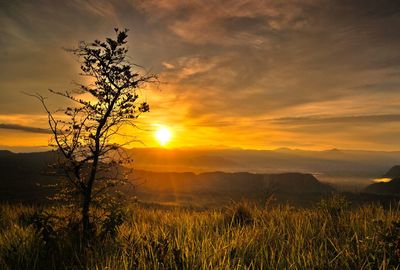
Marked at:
<point>163,135</point>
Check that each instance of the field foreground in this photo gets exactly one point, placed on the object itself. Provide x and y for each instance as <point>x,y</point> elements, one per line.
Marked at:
<point>240,236</point>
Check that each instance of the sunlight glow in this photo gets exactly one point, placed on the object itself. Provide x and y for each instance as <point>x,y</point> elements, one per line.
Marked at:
<point>382,180</point>
<point>163,135</point>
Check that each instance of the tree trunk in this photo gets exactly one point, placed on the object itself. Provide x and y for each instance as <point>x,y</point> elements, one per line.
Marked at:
<point>88,191</point>
<point>86,230</point>
<point>87,197</point>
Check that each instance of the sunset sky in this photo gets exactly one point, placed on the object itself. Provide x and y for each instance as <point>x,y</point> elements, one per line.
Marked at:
<point>250,74</point>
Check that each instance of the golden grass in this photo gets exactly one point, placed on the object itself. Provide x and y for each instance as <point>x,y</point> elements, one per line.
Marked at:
<point>241,236</point>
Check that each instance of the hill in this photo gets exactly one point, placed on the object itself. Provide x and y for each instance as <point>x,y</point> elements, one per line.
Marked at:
<point>351,169</point>
<point>24,179</point>
<point>387,187</point>
<point>213,188</point>
<point>392,187</point>
<point>393,172</point>
<point>222,182</point>
<point>24,175</point>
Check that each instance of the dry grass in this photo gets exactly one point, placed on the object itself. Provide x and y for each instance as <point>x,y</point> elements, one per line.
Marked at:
<point>241,236</point>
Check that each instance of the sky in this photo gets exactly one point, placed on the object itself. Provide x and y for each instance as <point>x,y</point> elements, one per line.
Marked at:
<point>246,74</point>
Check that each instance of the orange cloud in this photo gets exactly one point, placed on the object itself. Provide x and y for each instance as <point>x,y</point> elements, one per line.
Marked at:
<point>248,73</point>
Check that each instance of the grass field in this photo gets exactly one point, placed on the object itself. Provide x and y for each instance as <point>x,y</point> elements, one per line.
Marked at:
<point>239,236</point>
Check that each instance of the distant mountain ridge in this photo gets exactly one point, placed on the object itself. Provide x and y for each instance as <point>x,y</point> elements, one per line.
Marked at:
<point>230,183</point>
<point>256,160</point>
<point>391,187</point>
<point>343,168</point>
<point>393,172</point>
<point>334,163</point>
<point>23,175</point>
<point>353,169</point>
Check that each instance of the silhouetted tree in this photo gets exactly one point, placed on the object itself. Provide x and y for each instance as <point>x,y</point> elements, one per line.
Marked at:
<point>85,136</point>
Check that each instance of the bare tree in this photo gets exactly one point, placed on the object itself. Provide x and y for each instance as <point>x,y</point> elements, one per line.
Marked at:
<point>88,135</point>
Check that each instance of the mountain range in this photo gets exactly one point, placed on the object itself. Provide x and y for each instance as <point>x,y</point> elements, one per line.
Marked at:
<point>346,169</point>
<point>192,174</point>
<point>24,177</point>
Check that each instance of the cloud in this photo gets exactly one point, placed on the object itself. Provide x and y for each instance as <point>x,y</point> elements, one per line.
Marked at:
<point>328,120</point>
<point>226,22</point>
<point>302,121</point>
<point>268,71</point>
<point>25,128</point>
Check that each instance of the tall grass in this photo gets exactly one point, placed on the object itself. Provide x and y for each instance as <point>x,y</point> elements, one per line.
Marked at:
<point>241,236</point>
